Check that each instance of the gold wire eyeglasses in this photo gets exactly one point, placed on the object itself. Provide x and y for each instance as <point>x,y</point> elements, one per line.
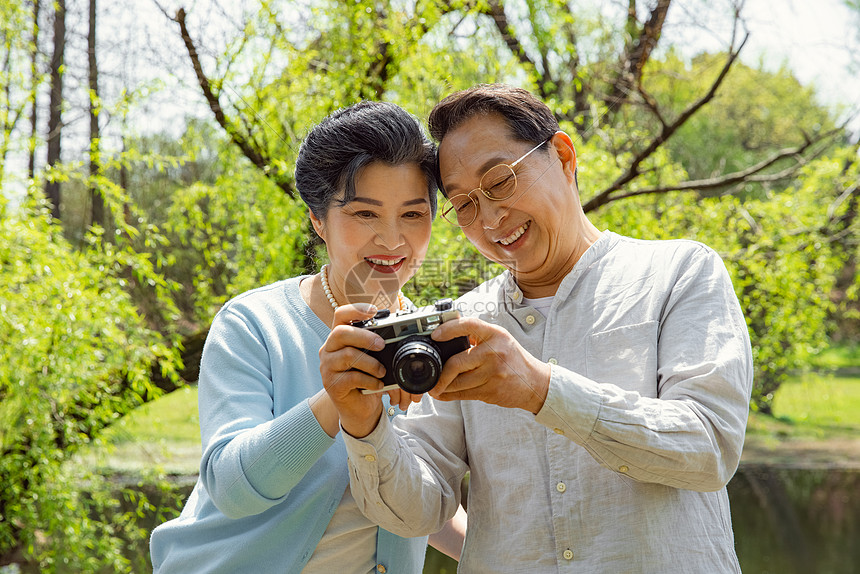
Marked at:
<point>498,183</point>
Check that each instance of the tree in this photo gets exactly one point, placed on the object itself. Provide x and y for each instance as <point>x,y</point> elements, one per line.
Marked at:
<point>97,202</point>
<point>55,119</point>
<point>75,355</point>
<point>336,54</point>
<point>34,84</point>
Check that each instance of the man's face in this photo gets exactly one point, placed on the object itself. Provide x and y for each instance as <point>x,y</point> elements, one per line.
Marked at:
<point>529,232</point>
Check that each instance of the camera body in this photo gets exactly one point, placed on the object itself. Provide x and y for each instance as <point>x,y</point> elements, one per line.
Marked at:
<point>412,360</point>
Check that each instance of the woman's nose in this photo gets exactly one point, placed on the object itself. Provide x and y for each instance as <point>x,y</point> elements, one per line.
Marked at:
<point>390,236</point>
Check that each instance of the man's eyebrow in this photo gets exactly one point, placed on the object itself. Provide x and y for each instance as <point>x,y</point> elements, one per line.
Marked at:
<point>482,169</point>
<point>493,162</point>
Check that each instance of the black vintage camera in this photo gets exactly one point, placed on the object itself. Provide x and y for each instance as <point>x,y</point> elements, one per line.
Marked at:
<point>412,360</point>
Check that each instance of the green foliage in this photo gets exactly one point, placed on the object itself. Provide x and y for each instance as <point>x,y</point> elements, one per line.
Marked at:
<point>238,233</point>
<point>836,357</point>
<point>75,355</point>
<point>217,226</point>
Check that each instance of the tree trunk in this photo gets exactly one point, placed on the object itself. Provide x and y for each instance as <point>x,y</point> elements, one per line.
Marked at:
<point>55,119</point>
<point>96,198</point>
<point>34,91</point>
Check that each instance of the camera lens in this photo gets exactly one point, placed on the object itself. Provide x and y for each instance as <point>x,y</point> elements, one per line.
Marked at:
<point>417,365</point>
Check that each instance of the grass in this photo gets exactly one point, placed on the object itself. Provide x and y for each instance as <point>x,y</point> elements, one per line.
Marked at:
<point>821,405</point>
<point>816,415</point>
<point>163,435</point>
<point>840,358</point>
<point>812,406</point>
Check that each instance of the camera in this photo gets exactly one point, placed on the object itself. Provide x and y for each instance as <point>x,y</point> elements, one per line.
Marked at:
<point>412,360</point>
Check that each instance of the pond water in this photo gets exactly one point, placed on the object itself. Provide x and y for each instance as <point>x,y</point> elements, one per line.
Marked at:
<point>796,521</point>
<point>786,521</point>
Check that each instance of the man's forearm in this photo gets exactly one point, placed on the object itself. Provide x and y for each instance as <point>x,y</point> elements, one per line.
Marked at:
<point>395,488</point>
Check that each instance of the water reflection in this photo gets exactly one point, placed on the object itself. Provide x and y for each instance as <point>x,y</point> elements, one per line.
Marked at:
<point>796,521</point>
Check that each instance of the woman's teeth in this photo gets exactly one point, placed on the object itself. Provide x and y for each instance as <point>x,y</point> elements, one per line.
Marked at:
<point>516,234</point>
<point>388,262</point>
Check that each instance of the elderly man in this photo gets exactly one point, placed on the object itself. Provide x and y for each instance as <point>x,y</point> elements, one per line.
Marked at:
<point>602,407</point>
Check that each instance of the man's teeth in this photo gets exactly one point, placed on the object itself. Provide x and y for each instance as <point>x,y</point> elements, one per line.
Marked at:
<point>515,235</point>
<point>388,262</point>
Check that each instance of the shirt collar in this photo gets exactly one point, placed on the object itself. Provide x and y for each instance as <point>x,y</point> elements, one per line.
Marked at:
<point>607,240</point>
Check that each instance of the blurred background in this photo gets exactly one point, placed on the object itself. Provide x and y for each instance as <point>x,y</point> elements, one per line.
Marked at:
<point>147,150</point>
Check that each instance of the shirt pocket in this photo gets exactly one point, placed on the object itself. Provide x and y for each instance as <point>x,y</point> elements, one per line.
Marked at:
<point>626,357</point>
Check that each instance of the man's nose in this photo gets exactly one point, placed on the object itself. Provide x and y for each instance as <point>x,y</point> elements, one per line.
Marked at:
<point>491,212</point>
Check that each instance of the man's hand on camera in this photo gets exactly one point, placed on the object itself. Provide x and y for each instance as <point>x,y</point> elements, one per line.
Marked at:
<point>496,370</point>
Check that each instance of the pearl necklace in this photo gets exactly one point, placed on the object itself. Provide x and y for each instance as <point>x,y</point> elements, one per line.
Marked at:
<point>401,300</point>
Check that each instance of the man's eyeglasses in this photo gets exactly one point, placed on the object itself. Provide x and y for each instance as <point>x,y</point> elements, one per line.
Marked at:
<point>498,183</point>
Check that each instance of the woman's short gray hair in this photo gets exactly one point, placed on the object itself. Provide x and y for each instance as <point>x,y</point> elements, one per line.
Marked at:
<point>336,149</point>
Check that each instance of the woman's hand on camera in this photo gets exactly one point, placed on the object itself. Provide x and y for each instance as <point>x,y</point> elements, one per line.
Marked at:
<point>347,370</point>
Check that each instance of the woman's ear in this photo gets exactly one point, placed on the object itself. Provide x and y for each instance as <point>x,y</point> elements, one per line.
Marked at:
<point>319,225</point>
<point>566,153</point>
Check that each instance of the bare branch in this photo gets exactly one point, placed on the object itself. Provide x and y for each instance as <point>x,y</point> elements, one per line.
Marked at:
<point>638,48</point>
<point>246,143</point>
<point>634,169</point>
<point>752,174</point>
<point>500,19</point>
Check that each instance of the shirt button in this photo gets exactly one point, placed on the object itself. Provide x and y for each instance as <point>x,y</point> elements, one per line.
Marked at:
<point>553,361</point>
<point>558,431</point>
<point>369,458</point>
<point>517,296</point>
<point>560,487</point>
<point>391,411</point>
<point>623,468</point>
<point>568,554</point>
<point>530,319</point>
<point>381,568</point>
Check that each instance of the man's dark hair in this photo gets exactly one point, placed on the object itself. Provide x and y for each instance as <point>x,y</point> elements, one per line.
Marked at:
<point>336,149</point>
<point>529,119</point>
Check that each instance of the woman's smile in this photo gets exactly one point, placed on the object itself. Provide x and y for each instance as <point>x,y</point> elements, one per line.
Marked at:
<point>385,264</point>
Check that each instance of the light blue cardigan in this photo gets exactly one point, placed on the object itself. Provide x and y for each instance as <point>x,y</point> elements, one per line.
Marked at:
<point>270,477</point>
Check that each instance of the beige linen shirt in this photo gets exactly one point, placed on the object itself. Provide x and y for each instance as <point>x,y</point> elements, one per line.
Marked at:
<point>625,466</point>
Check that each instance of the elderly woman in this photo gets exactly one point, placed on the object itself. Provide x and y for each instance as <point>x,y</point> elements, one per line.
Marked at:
<point>273,493</point>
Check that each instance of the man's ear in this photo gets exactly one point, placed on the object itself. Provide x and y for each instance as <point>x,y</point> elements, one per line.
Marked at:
<point>319,225</point>
<point>566,153</point>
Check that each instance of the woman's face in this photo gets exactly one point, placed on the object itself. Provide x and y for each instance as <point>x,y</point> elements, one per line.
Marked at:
<point>378,240</point>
